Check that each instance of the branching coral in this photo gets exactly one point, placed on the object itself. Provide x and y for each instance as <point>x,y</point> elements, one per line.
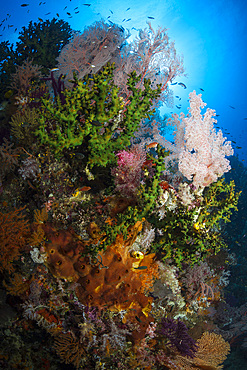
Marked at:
<point>89,116</point>
<point>44,41</point>
<point>14,229</point>
<point>69,349</point>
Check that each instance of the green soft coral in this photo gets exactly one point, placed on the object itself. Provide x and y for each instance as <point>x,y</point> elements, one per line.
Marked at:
<point>90,113</point>
<point>190,237</point>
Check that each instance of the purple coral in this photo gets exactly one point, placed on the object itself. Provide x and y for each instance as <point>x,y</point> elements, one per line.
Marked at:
<point>175,332</point>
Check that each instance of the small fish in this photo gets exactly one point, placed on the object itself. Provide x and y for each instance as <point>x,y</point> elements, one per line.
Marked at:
<point>65,8</point>
<point>85,188</point>
<point>86,4</point>
<point>232,107</point>
<point>15,30</point>
<point>10,25</point>
<point>57,14</point>
<point>182,84</point>
<point>147,163</point>
<point>217,115</point>
<point>96,123</point>
<point>23,5</point>
<point>140,268</point>
<point>40,3</point>
<point>151,17</point>
<point>179,107</point>
<point>127,9</point>
<point>40,19</point>
<point>152,145</point>
<point>201,89</point>
<point>77,12</point>
<point>137,318</point>
<point>238,147</point>
<point>76,8</point>
<point>234,142</point>
<point>174,83</point>
<point>8,94</point>
<point>68,13</point>
<point>111,11</point>
<point>48,13</point>
<point>128,20</point>
<point>245,119</point>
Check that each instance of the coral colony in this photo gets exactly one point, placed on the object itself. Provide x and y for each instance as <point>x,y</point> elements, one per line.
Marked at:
<point>111,252</point>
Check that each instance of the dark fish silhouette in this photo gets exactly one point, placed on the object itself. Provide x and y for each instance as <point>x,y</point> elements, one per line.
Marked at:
<point>23,5</point>
<point>57,14</point>
<point>48,13</point>
<point>201,89</point>
<point>174,83</point>
<point>178,107</point>
<point>182,84</point>
<point>127,9</point>
<point>86,4</point>
<point>141,268</point>
<point>232,107</point>
<point>151,17</point>
<point>68,13</point>
<point>77,12</point>
<point>96,123</point>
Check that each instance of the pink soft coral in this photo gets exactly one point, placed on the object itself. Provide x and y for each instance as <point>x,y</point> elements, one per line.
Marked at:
<point>202,157</point>
<point>128,172</point>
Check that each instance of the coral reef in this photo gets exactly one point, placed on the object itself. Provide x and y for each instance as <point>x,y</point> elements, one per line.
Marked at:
<point>112,249</point>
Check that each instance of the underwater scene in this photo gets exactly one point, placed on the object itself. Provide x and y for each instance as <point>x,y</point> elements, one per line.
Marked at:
<point>123,185</point>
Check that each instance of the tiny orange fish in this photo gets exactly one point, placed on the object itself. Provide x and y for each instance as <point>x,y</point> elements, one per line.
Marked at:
<point>152,145</point>
<point>85,188</point>
<point>148,162</point>
<point>164,185</point>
